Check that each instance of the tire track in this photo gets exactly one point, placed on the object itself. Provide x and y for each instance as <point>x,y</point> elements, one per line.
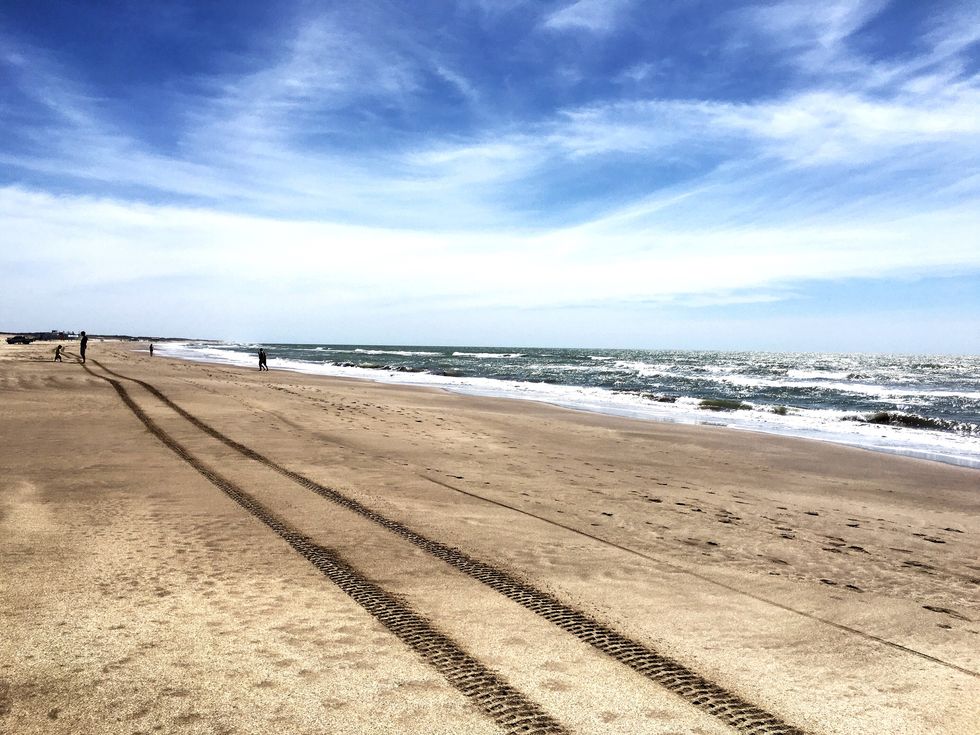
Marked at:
<point>659,560</point>
<point>711,580</point>
<point>658,667</point>
<point>509,708</point>
<point>655,559</point>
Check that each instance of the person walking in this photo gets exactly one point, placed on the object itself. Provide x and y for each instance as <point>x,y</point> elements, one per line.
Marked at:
<point>151,349</point>
<point>57,353</point>
<point>82,345</point>
<point>262,360</point>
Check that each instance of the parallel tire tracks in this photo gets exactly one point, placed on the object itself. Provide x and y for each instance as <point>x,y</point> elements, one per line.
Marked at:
<point>660,668</point>
<point>659,560</point>
<point>509,708</point>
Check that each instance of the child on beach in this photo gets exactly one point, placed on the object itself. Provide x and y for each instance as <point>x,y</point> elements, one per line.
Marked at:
<point>57,353</point>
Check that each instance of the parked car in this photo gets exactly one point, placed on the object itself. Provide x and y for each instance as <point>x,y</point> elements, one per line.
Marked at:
<point>19,339</point>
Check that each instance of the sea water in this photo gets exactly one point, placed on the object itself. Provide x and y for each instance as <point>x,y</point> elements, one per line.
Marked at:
<point>925,406</point>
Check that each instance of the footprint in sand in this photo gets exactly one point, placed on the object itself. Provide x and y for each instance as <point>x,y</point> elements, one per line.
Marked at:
<point>946,611</point>
<point>918,565</point>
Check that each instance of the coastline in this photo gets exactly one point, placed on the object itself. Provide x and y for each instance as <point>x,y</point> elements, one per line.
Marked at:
<point>835,588</point>
<point>926,445</point>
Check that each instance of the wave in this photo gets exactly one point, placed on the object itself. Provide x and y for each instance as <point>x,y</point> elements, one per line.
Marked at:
<point>818,375</point>
<point>916,421</point>
<point>489,355</point>
<point>399,353</point>
<point>645,369</point>
<point>867,389</point>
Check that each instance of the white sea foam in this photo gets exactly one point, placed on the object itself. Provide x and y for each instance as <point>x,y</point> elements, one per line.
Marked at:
<point>400,353</point>
<point>819,424</point>
<point>643,369</point>
<point>489,355</point>
<point>867,389</point>
<point>818,374</point>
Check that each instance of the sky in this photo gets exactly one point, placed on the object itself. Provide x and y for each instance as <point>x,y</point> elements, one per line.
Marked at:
<point>596,173</point>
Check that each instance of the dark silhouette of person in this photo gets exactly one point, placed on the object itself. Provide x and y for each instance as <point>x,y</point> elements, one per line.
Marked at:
<point>151,349</point>
<point>83,344</point>
<point>262,360</point>
<point>57,353</point>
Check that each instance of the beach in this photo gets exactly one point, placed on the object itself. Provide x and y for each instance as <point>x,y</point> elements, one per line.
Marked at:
<point>205,548</point>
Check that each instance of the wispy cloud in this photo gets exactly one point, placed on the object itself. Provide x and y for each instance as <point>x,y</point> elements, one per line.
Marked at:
<point>595,16</point>
<point>819,30</point>
<point>545,269</point>
<point>373,156</point>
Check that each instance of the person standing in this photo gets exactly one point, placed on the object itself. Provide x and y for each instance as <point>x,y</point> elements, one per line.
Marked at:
<point>151,349</point>
<point>82,345</point>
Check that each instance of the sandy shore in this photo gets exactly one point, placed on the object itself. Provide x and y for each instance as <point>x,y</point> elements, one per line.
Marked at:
<point>311,555</point>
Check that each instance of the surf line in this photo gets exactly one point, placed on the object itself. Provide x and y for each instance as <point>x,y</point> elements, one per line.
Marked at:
<point>512,710</point>
<point>672,675</point>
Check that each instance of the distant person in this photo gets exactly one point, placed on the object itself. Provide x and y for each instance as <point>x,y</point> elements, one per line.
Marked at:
<point>57,353</point>
<point>262,360</point>
<point>83,344</point>
<point>151,349</point>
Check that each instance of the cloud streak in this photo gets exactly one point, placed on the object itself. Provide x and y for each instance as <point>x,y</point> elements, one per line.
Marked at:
<point>595,16</point>
<point>384,152</point>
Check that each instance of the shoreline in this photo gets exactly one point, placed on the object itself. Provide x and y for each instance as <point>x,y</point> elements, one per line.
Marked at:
<point>809,580</point>
<point>969,457</point>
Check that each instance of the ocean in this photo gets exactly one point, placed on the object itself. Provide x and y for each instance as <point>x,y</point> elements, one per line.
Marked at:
<point>925,406</point>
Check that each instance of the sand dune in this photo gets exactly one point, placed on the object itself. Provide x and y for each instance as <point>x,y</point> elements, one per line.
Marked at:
<point>195,548</point>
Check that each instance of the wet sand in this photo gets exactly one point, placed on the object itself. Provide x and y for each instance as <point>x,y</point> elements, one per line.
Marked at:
<point>364,558</point>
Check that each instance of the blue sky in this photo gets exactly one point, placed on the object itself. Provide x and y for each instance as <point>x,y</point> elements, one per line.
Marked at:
<point>790,175</point>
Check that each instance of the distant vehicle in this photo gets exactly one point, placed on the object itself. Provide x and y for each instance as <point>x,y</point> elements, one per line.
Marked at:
<point>19,339</point>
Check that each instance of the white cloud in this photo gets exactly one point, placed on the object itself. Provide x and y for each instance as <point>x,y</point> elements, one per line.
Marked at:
<point>439,221</point>
<point>104,243</point>
<point>954,30</point>
<point>804,23</point>
<point>809,35</point>
<point>596,16</point>
<point>820,127</point>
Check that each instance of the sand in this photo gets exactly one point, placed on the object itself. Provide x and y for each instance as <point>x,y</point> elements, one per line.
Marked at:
<point>809,587</point>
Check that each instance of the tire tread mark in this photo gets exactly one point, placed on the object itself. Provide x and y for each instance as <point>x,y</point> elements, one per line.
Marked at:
<point>506,706</point>
<point>669,673</point>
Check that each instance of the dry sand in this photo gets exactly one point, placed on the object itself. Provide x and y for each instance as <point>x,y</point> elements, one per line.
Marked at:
<point>833,589</point>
